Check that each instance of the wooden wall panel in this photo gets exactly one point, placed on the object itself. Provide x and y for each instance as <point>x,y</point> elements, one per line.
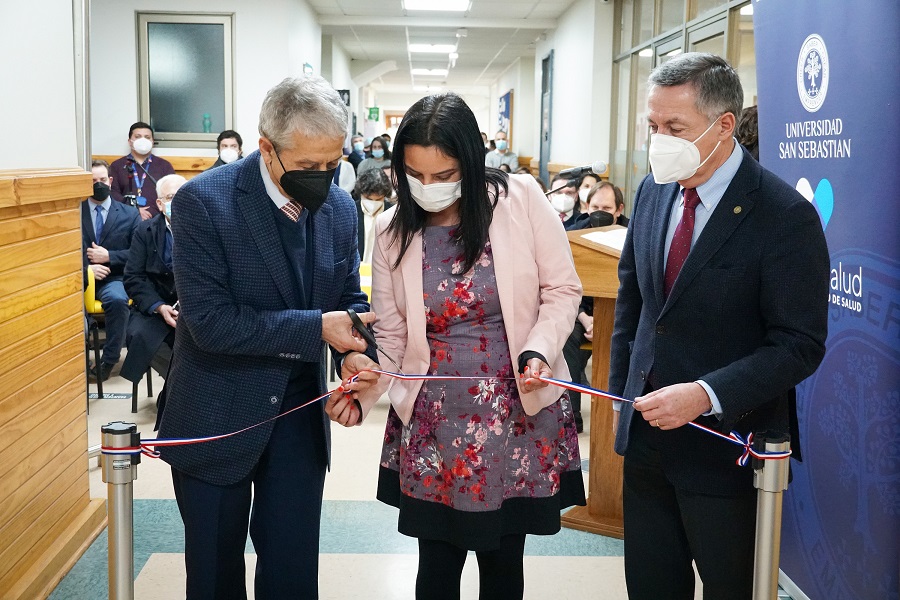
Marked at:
<point>186,166</point>
<point>47,518</point>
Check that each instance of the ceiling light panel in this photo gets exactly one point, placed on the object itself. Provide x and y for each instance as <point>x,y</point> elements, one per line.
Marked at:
<point>442,5</point>
<point>433,48</point>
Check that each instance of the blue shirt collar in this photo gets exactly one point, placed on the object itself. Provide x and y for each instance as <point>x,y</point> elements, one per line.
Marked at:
<point>714,188</point>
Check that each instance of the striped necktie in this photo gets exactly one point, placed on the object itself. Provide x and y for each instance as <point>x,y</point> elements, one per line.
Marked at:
<point>292,209</point>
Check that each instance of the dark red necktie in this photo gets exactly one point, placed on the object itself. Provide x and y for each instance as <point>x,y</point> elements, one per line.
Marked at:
<point>681,241</point>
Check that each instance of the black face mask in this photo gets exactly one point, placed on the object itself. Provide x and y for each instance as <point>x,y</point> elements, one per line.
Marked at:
<point>309,188</point>
<point>101,191</point>
<point>601,218</point>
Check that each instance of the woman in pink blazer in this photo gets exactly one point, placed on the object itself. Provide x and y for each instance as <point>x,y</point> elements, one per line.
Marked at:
<point>472,276</point>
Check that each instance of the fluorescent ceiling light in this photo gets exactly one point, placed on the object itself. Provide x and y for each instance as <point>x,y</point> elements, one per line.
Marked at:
<point>747,10</point>
<point>435,72</point>
<point>433,48</point>
<point>443,5</point>
<point>426,88</point>
<point>645,52</point>
<point>453,55</point>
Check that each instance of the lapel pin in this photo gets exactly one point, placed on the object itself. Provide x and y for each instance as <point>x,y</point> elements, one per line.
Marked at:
<point>737,210</point>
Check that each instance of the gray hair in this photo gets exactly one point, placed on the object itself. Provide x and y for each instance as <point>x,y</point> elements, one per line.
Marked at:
<point>306,105</point>
<point>174,180</point>
<point>373,182</point>
<point>717,84</point>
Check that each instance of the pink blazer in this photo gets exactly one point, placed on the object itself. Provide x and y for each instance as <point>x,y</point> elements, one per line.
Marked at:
<point>536,281</point>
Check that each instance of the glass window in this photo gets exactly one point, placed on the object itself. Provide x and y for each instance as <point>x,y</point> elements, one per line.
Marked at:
<point>619,167</point>
<point>743,52</point>
<point>186,76</point>
<point>671,15</point>
<point>698,7</point>
<point>713,45</point>
<point>644,18</point>
<point>626,25</point>
<point>641,131</point>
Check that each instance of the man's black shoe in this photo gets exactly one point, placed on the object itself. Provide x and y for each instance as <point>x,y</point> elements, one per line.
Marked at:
<point>105,370</point>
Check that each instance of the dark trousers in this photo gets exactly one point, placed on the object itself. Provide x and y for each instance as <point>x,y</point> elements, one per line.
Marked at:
<point>576,360</point>
<point>115,309</point>
<point>283,519</point>
<point>666,528</point>
<point>501,574</point>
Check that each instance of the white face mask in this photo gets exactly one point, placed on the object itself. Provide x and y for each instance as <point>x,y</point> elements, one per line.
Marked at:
<point>370,207</point>
<point>674,159</point>
<point>228,155</point>
<point>436,196</point>
<point>142,145</point>
<point>583,194</point>
<point>562,203</point>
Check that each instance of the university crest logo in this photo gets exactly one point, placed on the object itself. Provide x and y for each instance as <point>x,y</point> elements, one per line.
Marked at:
<point>812,73</point>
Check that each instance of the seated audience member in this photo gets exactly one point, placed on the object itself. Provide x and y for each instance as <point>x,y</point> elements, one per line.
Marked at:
<point>502,155</point>
<point>134,176</point>
<point>564,199</point>
<point>523,171</point>
<point>606,197</point>
<point>487,146</point>
<point>106,230</point>
<point>150,283</point>
<point>387,139</point>
<point>587,182</point>
<point>748,131</point>
<point>505,168</point>
<point>230,146</point>
<point>380,157</point>
<point>372,197</point>
<point>357,152</point>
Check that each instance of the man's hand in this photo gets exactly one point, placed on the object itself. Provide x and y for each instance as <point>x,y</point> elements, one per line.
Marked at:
<point>337,330</point>
<point>145,213</point>
<point>674,405</point>
<point>169,314</point>
<point>100,271</point>
<point>535,367</point>
<point>588,323</point>
<point>98,255</point>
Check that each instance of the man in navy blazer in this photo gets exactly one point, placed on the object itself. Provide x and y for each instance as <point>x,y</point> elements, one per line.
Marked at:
<point>266,265</point>
<point>721,311</point>
<point>106,230</point>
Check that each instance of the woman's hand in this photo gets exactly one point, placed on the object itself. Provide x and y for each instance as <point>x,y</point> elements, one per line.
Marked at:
<point>534,368</point>
<point>342,408</point>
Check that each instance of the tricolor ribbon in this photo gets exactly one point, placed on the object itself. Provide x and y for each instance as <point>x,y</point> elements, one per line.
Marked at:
<point>148,446</point>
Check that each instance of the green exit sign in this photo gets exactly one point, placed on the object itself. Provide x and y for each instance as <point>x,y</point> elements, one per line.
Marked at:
<point>374,113</point>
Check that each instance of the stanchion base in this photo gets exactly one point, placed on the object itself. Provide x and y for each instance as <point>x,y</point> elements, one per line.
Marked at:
<point>581,519</point>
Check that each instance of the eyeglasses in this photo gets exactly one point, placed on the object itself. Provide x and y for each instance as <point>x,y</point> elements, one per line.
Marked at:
<point>168,197</point>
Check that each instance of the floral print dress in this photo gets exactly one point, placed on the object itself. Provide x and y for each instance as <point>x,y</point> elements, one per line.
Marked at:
<point>471,466</point>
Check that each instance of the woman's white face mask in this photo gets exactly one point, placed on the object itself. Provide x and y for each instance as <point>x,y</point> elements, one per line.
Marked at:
<point>434,197</point>
<point>674,159</point>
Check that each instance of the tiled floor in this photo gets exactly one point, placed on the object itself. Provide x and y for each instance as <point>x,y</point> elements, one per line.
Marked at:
<point>356,530</point>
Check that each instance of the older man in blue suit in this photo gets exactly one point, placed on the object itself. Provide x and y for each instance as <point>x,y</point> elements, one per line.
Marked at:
<point>266,265</point>
<point>721,311</point>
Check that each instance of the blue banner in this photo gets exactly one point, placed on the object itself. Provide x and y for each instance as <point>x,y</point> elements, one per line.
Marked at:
<point>829,124</point>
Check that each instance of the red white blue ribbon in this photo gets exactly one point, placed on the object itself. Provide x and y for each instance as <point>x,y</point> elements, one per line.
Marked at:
<point>148,446</point>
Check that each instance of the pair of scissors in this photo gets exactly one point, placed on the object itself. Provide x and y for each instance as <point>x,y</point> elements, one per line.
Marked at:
<point>367,335</point>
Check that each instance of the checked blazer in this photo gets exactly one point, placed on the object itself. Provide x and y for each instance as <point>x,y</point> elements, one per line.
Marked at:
<point>241,329</point>
<point>747,315</point>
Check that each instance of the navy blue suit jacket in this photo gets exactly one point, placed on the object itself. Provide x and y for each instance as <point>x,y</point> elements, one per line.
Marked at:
<point>121,221</point>
<point>241,329</point>
<point>747,315</point>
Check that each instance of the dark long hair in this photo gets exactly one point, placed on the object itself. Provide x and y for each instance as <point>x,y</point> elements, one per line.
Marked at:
<point>384,146</point>
<point>446,122</point>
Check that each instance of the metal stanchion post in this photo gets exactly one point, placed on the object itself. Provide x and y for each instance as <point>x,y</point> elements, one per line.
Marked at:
<point>770,477</point>
<point>119,471</point>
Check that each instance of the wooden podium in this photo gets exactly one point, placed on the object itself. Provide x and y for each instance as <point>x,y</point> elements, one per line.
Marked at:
<point>597,266</point>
